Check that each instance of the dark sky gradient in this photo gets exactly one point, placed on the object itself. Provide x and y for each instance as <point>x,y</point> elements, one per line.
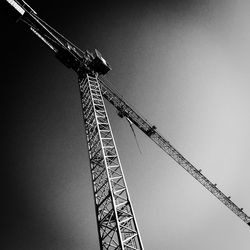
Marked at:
<point>185,66</point>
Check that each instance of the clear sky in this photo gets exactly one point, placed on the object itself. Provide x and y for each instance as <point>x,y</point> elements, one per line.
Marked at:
<point>185,66</point>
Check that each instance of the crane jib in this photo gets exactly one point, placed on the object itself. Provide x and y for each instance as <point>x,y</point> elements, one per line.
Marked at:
<point>150,130</point>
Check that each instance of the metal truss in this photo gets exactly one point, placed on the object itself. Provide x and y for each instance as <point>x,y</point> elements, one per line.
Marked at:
<point>124,109</point>
<point>116,221</point>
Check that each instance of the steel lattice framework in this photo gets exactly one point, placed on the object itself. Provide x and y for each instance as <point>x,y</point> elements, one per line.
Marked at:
<point>117,227</point>
<point>127,111</point>
<point>116,222</point>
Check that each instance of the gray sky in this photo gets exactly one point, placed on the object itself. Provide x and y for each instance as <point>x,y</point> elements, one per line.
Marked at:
<point>185,66</point>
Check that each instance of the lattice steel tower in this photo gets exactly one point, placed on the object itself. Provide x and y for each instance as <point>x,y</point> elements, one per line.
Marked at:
<point>117,227</point>
<point>116,221</point>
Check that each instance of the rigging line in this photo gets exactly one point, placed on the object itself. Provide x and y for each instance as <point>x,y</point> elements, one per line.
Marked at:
<point>131,126</point>
<point>52,29</point>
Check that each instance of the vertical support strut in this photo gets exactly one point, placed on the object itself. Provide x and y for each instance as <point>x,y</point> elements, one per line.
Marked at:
<point>117,227</point>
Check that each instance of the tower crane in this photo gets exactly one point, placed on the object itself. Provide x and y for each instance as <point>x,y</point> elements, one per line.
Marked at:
<point>116,222</point>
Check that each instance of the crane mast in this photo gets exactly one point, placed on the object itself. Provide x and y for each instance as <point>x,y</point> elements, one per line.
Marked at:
<point>116,222</point>
<point>115,217</point>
